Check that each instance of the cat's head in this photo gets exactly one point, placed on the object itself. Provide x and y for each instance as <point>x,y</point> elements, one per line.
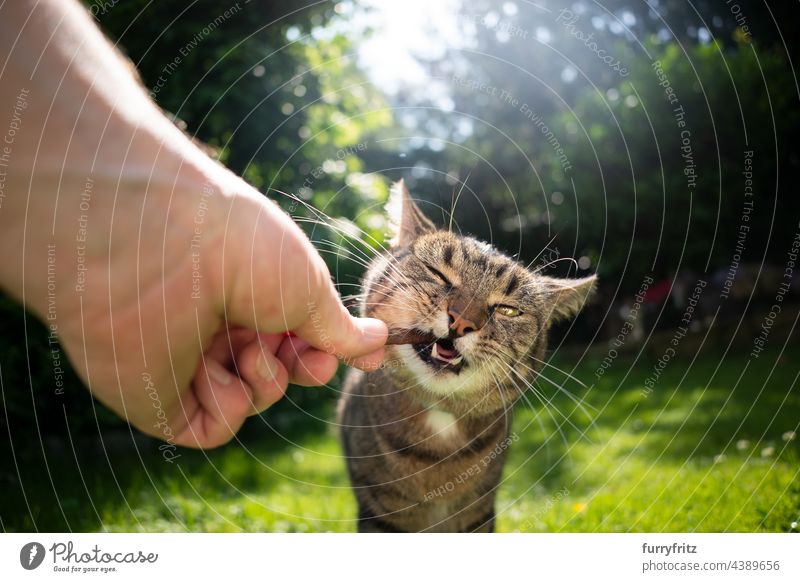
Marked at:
<point>489,314</point>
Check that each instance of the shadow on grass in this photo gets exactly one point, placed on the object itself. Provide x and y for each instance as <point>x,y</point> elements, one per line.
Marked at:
<point>49,485</point>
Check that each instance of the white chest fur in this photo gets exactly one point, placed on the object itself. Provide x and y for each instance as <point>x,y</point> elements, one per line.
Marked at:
<point>442,424</point>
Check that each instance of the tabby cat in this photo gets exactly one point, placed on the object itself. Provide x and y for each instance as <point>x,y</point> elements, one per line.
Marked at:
<point>426,434</point>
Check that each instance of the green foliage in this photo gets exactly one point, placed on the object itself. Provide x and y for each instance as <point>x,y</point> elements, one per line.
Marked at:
<point>633,194</point>
<point>618,193</point>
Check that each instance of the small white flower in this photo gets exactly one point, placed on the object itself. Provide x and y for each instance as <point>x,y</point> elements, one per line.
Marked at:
<point>767,451</point>
<point>742,444</point>
<point>719,458</point>
<point>793,524</point>
<point>789,435</point>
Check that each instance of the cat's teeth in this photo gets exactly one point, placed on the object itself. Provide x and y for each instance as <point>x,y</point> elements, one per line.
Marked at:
<point>452,362</point>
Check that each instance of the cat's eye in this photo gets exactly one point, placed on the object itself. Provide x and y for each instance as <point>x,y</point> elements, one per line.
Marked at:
<point>439,275</point>
<point>507,310</point>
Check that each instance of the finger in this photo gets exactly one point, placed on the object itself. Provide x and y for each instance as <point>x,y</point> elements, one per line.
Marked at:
<point>227,342</point>
<point>265,375</point>
<point>307,365</point>
<point>224,402</point>
<point>332,329</point>
<point>368,363</point>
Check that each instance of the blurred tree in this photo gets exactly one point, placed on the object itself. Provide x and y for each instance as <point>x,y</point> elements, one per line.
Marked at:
<point>562,124</point>
<point>272,85</point>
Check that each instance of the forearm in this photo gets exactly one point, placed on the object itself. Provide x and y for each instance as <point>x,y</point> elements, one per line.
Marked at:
<point>87,151</point>
<point>83,95</point>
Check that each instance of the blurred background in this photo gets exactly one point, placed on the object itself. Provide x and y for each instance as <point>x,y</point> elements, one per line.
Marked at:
<point>651,142</point>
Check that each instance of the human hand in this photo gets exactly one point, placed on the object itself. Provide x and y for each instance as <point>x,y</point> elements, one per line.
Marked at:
<point>211,313</point>
<point>169,281</point>
<point>268,277</point>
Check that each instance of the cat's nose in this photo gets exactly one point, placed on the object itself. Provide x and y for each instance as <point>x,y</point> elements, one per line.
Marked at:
<point>460,324</point>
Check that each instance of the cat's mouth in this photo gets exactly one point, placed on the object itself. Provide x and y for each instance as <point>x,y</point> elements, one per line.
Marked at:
<point>441,354</point>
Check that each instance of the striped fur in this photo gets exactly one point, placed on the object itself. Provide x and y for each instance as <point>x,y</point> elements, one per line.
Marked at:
<point>426,442</point>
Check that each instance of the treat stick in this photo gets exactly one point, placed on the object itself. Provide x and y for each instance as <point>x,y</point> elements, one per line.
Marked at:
<point>409,336</point>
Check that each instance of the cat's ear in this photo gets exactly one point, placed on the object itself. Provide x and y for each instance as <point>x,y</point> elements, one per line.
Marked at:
<point>565,297</point>
<point>406,221</point>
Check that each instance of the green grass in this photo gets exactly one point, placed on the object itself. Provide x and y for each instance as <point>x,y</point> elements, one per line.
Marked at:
<point>705,451</point>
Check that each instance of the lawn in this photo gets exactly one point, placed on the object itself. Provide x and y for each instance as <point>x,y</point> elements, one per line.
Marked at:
<point>711,448</point>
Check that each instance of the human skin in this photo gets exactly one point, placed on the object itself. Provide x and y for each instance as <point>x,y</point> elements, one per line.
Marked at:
<point>169,281</point>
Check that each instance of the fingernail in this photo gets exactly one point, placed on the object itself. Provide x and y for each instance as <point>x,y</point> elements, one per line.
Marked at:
<point>373,329</point>
<point>219,373</point>
<point>266,367</point>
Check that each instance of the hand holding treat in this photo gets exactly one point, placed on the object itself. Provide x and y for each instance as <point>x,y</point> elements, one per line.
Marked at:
<point>191,276</point>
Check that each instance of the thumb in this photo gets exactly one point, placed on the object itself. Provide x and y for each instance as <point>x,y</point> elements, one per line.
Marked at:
<point>330,328</point>
<point>272,254</point>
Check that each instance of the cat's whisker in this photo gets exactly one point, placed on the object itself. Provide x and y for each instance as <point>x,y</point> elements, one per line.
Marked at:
<point>351,252</point>
<point>541,396</point>
<point>579,405</point>
<point>346,235</point>
<point>406,282</point>
<point>565,417</point>
<point>508,368</point>
<point>557,369</point>
<point>554,261</point>
<point>544,248</point>
<point>455,202</point>
<point>401,300</point>
<point>537,413</point>
<point>506,407</point>
<point>422,314</point>
<point>545,363</point>
<point>358,285</point>
<point>582,405</point>
<point>578,402</point>
<point>318,212</point>
<point>545,407</point>
<point>405,285</point>
<point>360,298</point>
<point>356,260</point>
